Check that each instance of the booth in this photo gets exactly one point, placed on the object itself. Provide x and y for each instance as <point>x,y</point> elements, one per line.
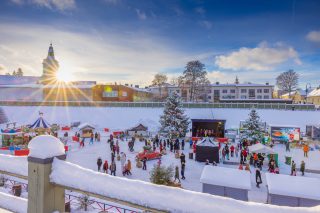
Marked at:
<point>226,182</point>
<point>296,191</point>
<point>263,149</point>
<point>139,130</point>
<point>208,127</point>
<point>86,130</point>
<point>313,131</point>
<point>207,149</point>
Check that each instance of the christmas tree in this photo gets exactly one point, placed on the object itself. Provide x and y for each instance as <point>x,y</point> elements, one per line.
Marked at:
<point>252,129</point>
<point>174,122</point>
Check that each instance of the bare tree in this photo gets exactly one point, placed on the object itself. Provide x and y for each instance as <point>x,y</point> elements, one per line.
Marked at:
<point>195,77</point>
<point>288,81</point>
<point>19,72</point>
<point>159,80</point>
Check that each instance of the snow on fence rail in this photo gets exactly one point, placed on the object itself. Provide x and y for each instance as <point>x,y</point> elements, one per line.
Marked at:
<point>13,203</point>
<point>162,198</point>
<point>13,165</point>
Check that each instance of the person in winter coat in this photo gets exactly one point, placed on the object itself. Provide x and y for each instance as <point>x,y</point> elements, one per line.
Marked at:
<point>236,151</point>
<point>232,150</point>
<point>190,143</point>
<point>95,136</point>
<point>288,146</point>
<point>247,168</point>
<point>82,143</point>
<point>99,163</point>
<point>182,158</point>
<point>171,146</point>
<point>293,168</point>
<point>176,174</point>
<point>183,166</point>
<point>113,155</point>
<point>302,167</point>
<point>182,144</point>
<point>91,138</point>
<point>123,159</point>
<point>128,168</point>
<point>255,160</point>
<point>105,166</point>
<point>144,161</point>
<point>258,178</point>
<point>113,168</point>
<point>164,143</point>
<point>305,150</point>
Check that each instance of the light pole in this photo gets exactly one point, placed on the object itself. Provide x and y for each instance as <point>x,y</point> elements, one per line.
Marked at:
<point>307,89</point>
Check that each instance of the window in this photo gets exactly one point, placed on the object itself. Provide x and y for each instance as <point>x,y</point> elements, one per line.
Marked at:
<point>232,91</point>
<point>209,97</point>
<point>124,94</point>
<point>259,90</point>
<point>110,94</point>
<point>178,91</point>
<point>243,97</point>
<point>259,97</point>
<point>225,91</point>
<point>243,90</point>
<point>266,90</point>
<point>266,97</point>
<point>252,93</point>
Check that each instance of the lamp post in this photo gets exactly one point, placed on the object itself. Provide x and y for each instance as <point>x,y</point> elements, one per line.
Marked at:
<point>307,89</point>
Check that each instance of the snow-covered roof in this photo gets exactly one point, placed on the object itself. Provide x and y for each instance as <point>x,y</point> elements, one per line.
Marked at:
<point>207,142</point>
<point>294,186</point>
<point>241,85</point>
<point>139,127</point>
<point>40,123</point>
<point>45,146</point>
<point>315,92</point>
<point>260,148</point>
<point>85,125</point>
<point>228,177</point>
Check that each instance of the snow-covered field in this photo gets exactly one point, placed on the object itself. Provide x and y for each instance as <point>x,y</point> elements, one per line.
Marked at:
<point>123,118</point>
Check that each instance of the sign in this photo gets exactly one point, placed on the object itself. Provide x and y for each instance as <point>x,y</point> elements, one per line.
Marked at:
<point>285,133</point>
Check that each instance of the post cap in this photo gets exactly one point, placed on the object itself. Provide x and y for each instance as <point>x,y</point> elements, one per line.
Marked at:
<point>45,146</point>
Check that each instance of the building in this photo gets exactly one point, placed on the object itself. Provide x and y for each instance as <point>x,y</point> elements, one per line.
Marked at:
<point>18,80</point>
<point>50,68</point>
<point>121,93</point>
<point>297,96</point>
<point>67,92</point>
<point>314,97</point>
<point>23,92</point>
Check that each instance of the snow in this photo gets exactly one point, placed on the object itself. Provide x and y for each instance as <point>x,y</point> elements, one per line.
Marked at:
<point>155,196</point>
<point>13,203</point>
<point>295,186</point>
<point>14,164</point>
<point>222,176</point>
<point>315,92</point>
<point>45,146</point>
<point>260,148</point>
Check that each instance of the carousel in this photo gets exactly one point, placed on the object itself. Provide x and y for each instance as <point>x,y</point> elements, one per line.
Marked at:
<point>40,126</point>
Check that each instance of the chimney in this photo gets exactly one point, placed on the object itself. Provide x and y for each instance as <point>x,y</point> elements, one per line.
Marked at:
<point>267,83</point>
<point>217,83</point>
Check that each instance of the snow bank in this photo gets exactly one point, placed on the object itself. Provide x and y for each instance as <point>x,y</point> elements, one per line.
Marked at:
<point>45,146</point>
<point>154,196</point>
<point>295,186</point>
<point>13,203</point>
<point>14,164</point>
<point>228,177</point>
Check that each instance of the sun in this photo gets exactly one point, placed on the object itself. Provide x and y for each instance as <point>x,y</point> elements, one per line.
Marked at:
<point>64,76</point>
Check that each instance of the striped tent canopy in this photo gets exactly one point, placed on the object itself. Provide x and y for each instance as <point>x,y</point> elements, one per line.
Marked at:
<point>40,123</point>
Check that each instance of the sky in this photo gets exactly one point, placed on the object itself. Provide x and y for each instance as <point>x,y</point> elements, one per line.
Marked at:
<point>129,41</point>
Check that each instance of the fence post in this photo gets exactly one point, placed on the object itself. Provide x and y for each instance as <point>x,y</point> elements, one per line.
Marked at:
<point>43,196</point>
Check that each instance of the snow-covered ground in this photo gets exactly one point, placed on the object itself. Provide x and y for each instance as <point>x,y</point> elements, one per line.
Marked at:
<point>121,118</point>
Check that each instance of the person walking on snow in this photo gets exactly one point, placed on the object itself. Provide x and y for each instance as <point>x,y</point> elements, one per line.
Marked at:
<point>99,163</point>
<point>176,174</point>
<point>105,166</point>
<point>288,146</point>
<point>258,178</point>
<point>123,159</point>
<point>305,150</point>
<point>232,150</point>
<point>183,166</point>
<point>95,136</point>
<point>190,143</point>
<point>182,158</point>
<point>302,167</point>
<point>113,168</point>
<point>293,168</point>
<point>182,144</point>
<point>144,161</point>
<point>91,138</point>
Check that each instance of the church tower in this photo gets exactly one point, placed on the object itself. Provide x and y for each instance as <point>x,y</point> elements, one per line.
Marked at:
<point>237,80</point>
<point>50,68</point>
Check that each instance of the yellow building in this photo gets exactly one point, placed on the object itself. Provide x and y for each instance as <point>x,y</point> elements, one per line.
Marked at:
<point>298,96</point>
<point>314,97</point>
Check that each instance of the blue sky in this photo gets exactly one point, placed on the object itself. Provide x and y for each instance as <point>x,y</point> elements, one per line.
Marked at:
<point>128,41</point>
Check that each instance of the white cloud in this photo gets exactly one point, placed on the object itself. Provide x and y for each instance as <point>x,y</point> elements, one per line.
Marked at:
<point>105,56</point>
<point>313,36</point>
<point>206,24</point>
<point>259,58</point>
<point>141,15</point>
<point>60,5</point>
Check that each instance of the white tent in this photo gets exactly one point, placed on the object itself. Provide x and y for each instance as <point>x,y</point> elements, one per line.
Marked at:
<point>260,148</point>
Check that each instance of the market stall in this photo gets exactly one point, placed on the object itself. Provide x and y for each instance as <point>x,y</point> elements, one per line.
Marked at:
<point>221,181</point>
<point>207,149</point>
<point>297,191</point>
<point>86,130</point>
<point>139,130</point>
<point>263,149</point>
<point>208,127</point>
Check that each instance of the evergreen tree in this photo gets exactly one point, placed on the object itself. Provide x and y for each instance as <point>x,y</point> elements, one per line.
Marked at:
<point>174,122</point>
<point>161,175</point>
<point>252,129</point>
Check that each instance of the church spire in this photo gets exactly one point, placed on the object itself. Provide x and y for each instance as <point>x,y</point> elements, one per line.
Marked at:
<point>50,51</point>
<point>237,80</point>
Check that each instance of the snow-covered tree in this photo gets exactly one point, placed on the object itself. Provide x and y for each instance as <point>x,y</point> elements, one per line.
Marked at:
<point>174,122</point>
<point>252,129</point>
